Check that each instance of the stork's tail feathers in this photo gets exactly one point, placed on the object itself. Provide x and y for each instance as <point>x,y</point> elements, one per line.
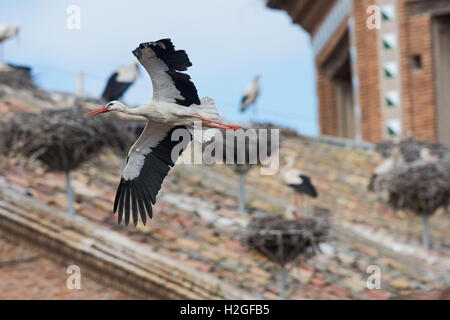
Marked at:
<point>207,109</point>
<point>208,114</point>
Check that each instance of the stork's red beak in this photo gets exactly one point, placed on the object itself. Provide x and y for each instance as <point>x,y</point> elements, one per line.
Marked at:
<point>96,112</point>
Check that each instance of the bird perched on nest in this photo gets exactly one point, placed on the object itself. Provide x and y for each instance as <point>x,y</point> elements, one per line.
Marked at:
<point>427,156</point>
<point>396,160</point>
<point>420,186</point>
<point>250,94</point>
<point>175,107</point>
<point>298,181</point>
<point>119,82</point>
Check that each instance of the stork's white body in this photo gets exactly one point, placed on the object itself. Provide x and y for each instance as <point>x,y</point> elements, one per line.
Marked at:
<point>427,156</point>
<point>394,161</point>
<point>296,179</point>
<point>119,82</point>
<point>250,94</point>
<point>172,114</point>
<point>289,174</point>
<point>6,32</point>
<point>127,73</point>
<point>299,182</point>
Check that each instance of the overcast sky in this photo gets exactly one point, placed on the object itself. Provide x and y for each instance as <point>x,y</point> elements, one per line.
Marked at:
<point>228,42</point>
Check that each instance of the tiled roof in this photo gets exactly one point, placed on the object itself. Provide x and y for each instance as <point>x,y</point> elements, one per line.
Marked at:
<point>196,222</point>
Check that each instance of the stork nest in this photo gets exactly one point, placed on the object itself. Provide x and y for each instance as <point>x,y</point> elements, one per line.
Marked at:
<point>251,149</point>
<point>62,139</point>
<point>419,187</point>
<point>410,149</point>
<point>17,77</point>
<point>282,241</point>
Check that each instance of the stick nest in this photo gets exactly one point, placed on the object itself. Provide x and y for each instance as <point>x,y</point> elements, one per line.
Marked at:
<point>250,151</point>
<point>420,187</point>
<point>62,139</point>
<point>282,241</point>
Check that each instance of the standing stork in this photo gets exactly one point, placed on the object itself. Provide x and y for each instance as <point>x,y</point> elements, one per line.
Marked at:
<point>175,107</point>
<point>119,82</point>
<point>250,94</point>
<point>299,182</point>
<point>427,156</point>
<point>6,32</point>
<point>394,161</point>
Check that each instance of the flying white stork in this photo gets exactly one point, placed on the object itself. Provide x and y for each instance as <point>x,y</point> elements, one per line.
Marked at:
<point>298,181</point>
<point>250,94</point>
<point>119,82</point>
<point>6,32</point>
<point>175,105</point>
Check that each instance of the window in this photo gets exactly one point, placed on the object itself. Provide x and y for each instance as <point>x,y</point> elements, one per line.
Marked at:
<point>416,62</point>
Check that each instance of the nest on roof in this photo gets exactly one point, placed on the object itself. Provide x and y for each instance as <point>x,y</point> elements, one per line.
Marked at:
<point>420,187</point>
<point>62,139</point>
<point>282,241</point>
<point>245,154</point>
<point>410,149</point>
<point>17,77</point>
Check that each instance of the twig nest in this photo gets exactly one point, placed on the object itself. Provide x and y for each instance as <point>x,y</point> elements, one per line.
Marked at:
<point>62,139</point>
<point>420,187</point>
<point>282,241</point>
<point>245,151</point>
<point>17,77</point>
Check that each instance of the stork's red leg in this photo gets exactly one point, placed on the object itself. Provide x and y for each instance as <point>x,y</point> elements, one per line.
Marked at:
<point>222,125</point>
<point>296,211</point>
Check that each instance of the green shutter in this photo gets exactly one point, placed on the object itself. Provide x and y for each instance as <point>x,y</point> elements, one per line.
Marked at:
<point>389,103</point>
<point>388,74</point>
<point>391,132</point>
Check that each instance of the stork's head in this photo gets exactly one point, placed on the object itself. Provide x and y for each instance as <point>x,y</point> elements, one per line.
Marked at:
<point>111,106</point>
<point>116,106</point>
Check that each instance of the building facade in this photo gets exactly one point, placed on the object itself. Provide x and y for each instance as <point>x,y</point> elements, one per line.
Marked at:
<point>383,66</point>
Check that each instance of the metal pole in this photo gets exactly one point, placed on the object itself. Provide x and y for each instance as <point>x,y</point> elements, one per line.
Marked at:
<point>282,283</point>
<point>241,196</point>
<point>79,89</point>
<point>426,233</point>
<point>70,207</point>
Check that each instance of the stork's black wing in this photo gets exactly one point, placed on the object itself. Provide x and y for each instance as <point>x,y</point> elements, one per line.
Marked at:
<point>114,89</point>
<point>163,64</point>
<point>149,162</point>
<point>305,187</point>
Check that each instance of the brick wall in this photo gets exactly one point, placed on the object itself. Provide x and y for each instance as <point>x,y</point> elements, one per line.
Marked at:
<point>418,86</point>
<point>327,105</point>
<point>328,118</point>
<point>368,77</point>
<point>368,72</point>
<point>418,89</point>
